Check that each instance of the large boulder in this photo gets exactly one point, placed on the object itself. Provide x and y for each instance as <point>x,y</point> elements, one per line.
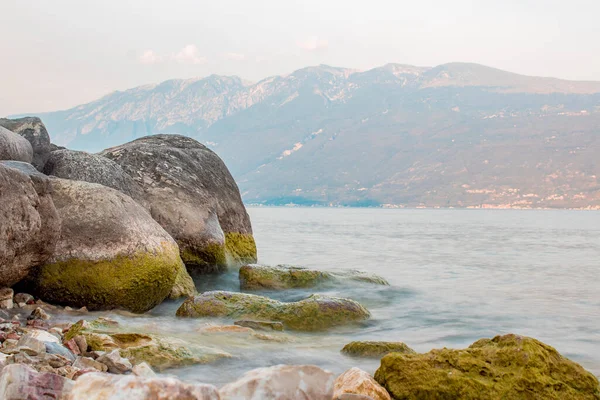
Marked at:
<point>29,222</point>
<point>505,367</point>
<point>99,386</point>
<point>316,312</point>
<point>14,147</point>
<point>256,277</point>
<point>18,382</point>
<point>34,131</point>
<point>191,193</point>
<point>356,384</point>
<point>82,166</point>
<point>282,382</point>
<point>111,253</point>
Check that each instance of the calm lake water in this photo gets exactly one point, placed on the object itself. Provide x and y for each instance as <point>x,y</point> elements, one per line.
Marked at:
<point>456,276</point>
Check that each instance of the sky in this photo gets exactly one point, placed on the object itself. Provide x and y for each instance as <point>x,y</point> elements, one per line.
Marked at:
<point>57,54</point>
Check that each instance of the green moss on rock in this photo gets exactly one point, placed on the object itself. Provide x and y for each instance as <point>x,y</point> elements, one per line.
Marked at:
<point>136,283</point>
<point>505,367</point>
<point>316,312</point>
<point>184,285</point>
<point>240,248</point>
<point>210,258</point>
<point>375,349</point>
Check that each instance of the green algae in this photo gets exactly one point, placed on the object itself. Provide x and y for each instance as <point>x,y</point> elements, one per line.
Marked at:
<point>184,285</point>
<point>375,349</point>
<point>314,313</point>
<point>240,248</point>
<point>210,258</point>
<point>505,367</point>
<point>136,282</point>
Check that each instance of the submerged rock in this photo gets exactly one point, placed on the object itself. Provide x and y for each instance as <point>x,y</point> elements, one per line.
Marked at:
<point>505,367</point>
<point>98,386</point>
<point>356,384</point>
<point>34,131</point>
<point>14,147</point>
<point>375,349</point>
<point>260,325</point>
<point>184,285</point>
<point>256,277</point>
<point>93,168</point>
<point>191,193</point>
<point>282,382</point>
<point>111,253</point>
<point>29,222</point>
<point>316,312</point>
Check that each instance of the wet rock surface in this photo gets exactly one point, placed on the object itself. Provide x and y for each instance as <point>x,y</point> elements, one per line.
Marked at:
<point>375,349</point>
<point>191,193</point>
<point>316,312</point>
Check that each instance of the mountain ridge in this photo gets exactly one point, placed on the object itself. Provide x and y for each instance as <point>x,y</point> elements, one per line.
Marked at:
<point>459,134</point>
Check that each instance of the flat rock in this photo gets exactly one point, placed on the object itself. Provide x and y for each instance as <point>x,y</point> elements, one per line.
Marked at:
<point>260,325</point>
<point>375,349</point>
<point>505,367</point>
<point>282,382</point>
<point>98,386</point>
<point>316,312</point>
<point>356,384</point>
<point>191,193</point>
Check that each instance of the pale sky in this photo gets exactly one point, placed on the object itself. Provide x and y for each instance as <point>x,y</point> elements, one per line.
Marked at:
<point>60,53</point>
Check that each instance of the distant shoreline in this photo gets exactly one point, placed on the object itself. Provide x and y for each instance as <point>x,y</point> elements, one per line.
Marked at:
<point>401,207</point>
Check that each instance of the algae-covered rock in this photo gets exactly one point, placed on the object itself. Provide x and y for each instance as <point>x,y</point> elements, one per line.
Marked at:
<point>505,367</point>
<point>375,349</point>
<point>190,192</point>
<point>316,312</point>
<point>111,253</point>
<point>256,277</point>
<point>184,285</point>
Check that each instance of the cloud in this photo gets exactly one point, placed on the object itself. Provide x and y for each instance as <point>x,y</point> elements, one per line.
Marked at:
<point>189,55</point>
<point>234,56</point>
<point>313,44</point>
<point>150,57</point>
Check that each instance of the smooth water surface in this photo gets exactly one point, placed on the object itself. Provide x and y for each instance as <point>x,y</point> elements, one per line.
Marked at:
<point>456,276</point>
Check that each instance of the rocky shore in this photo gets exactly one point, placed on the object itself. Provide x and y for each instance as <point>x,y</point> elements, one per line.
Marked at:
<point>128,228</point>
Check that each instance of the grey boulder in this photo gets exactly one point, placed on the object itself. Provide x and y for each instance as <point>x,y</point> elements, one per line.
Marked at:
<point>34,131</point>
<point>14,147</point>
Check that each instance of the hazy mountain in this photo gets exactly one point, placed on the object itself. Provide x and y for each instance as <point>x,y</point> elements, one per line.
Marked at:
<point>454,135</point>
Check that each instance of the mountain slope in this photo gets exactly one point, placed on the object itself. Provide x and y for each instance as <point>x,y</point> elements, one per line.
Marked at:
<point>454,135</point>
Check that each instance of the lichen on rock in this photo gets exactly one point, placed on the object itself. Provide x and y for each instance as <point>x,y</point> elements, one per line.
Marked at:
<point>316,312</point>
<point>505,367</point>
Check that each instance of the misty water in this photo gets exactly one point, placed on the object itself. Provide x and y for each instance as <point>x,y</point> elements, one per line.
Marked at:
<point>455,276</point>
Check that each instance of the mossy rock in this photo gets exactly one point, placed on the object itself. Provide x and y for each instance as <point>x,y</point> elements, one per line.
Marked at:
<point>505,367</point>
<point>184,285</point>
<point>316,312</point>
<point>136,283</point>
<point>240,248</point>
<point>208,258</point>
<point>256,277</point>
<point>375,349</point>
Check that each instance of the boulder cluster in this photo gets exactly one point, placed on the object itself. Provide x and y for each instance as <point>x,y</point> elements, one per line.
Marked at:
<point>121,229</point>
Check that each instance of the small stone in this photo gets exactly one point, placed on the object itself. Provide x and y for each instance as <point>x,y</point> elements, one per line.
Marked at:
<point>261,325</point>
<point>356,384</point>
<point>81,343</point>
<point>143,370</point>
<point>58,349</point>
<point>83,309</point>
<point>38,324</point>
<point>6,298</point>
<point>87,363</point>
<point>56,360</point>
<point>39,313</point>
<point>10,342</point>
<point>24,298</point>
<point>12,336</point>
<point>115,363</point>
<point>67,308</point>
<point>30,345</point>
<point>72,345</point>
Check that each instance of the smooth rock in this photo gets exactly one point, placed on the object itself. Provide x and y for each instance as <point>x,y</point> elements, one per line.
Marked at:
<point>58,349</point>
<point>260,325</point>
<point>111,253</point>
<point>43,336</point>
<point>259,277</point>
<point>81,343</point>
<point>33,130</point>
<point>6,298</point>
<point>20,382</point>
<point>13,147</point>
<point>282,382</point>
<point>115,363</point>
<point>98,386</point>
<point>505,367</point>
<point>93,168</point>
<point>316,312</point>
<point>375,349</point>
<point>31,345</point>
<point>356,384</point>
<point>24,298</point>
<point>29,223</point>
<point>143,370</point>
<point>89,363</point>
<point>191,193</point>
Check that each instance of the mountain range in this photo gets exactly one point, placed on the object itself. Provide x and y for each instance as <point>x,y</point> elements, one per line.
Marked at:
<point>455,135</point>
